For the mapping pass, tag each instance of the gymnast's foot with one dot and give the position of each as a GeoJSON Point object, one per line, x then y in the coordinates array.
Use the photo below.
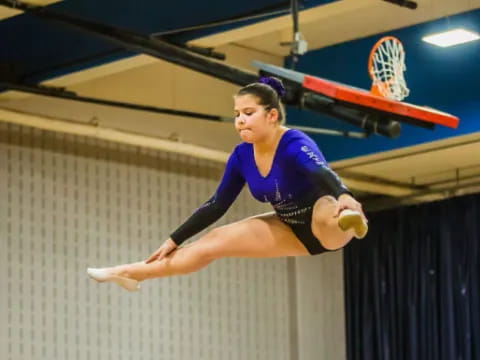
{"type": "Point", "coordinates": [108, 275]}
{"type": "Point", "coordinates": [351, 219]}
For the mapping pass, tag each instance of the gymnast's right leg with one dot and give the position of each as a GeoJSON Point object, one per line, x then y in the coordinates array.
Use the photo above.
{"type": "Point", "coordinates": [262, 236]}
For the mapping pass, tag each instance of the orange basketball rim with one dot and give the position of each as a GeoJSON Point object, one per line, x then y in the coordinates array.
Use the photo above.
{"type": "Point", "coordinates": [386, 67]}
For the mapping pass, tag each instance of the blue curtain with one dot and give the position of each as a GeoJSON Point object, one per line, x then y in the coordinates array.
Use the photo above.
{"type": "Point", "coordinates": [412, 286]}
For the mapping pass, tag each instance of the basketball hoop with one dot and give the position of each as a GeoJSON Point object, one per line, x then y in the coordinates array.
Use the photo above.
{"type": "Point", "coordinates": [386, 65]}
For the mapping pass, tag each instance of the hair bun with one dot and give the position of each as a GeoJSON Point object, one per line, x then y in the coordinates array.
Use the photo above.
{"type": "Point", "coordinates": [274, 83]}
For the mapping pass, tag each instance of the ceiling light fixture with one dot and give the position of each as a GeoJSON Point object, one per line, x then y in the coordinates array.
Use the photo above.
{"type": "Point", "coordinates": [451, 37]}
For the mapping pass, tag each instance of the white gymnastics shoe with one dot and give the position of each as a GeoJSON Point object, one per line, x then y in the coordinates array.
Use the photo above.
{"type": "Point", "coordinates": [349, 219]}
{"type": "Point", "coordinates": [102, 275]}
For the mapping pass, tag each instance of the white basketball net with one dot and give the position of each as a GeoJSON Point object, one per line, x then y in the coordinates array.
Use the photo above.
{"type": "Point", "coordinates": [387, 68]}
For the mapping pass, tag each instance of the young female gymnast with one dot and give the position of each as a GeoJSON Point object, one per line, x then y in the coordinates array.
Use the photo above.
{"type": "Point", "coordinates": [314, 211]}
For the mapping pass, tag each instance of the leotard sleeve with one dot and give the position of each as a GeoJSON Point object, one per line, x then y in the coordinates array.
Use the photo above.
{"type": "Point", "coordinates": [309, 160]}
{"type": "Point", "coordinates": [230, 186]}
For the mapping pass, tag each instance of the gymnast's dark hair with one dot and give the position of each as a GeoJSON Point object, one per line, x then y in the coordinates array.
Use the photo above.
{"type": "Point", "coordinates": [269, 91]}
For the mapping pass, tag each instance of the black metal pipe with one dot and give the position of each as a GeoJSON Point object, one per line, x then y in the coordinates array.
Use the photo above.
{"type": "Point", "coordinates": [370, 123]}
{"type": "Point", "coordinates": [269, 11]}
{"type": "Point", "coordinates": [294, 7]}
{"type": "Point", "coordinates": [331, 132]}
{"type": "Point", "coordinates": [69, 95]}
{"type": "Point", "coordinates": [209, 52]}
{"type": "Point", "coordinates": [142, 44]}
{"type": "Point", "coordinates": [390, 115]}
{"type": "Point", "coordinates": [404, 3]}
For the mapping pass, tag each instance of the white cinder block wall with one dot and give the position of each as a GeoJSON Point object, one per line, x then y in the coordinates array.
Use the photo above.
{"type": "Point", "coordinates": [320, 307]}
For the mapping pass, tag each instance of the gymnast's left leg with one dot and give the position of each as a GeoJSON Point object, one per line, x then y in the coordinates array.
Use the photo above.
{"type": "Point", "coordinates": [335, 230]}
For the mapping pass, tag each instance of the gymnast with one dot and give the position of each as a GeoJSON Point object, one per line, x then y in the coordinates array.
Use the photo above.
{"type": "Point", "coordinates": [313, 211]}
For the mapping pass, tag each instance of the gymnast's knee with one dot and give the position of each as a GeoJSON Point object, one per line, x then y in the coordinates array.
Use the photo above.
{"type": "Point", "coordinates": [325, 201]}
{"type": "Point", "coordinates": [324, 211]}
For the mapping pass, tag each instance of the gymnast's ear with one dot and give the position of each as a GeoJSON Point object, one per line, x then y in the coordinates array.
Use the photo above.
{"type": "Point", "coordinates": [272, 115]}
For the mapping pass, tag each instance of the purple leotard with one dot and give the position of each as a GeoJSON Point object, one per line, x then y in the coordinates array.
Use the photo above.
{"type": "Point", "coordinates": [299, 175]}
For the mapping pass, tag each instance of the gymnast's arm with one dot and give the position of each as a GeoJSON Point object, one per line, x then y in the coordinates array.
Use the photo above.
{"type": "Point", "coordinates": [230, 186]}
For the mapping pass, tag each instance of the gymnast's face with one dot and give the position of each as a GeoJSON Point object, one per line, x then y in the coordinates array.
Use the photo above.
{"type": "Point", "coordinates": [253, 122]}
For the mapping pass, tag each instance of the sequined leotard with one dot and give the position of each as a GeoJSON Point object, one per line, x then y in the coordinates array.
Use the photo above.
{"type": "Point", "coordinates": [299, 175]}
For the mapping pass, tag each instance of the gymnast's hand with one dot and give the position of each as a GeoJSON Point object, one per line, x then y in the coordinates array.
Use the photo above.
{"type": "Point", "coordinates": [167, 247]}
{"type": "Point", "coordinates": [346, 201]}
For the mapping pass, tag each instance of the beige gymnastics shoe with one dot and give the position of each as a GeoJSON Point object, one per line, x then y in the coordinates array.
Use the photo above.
{"type": "Point", "coordinates": [349, 219]}
{"type": "Point", "coordinates": [104, 275]}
